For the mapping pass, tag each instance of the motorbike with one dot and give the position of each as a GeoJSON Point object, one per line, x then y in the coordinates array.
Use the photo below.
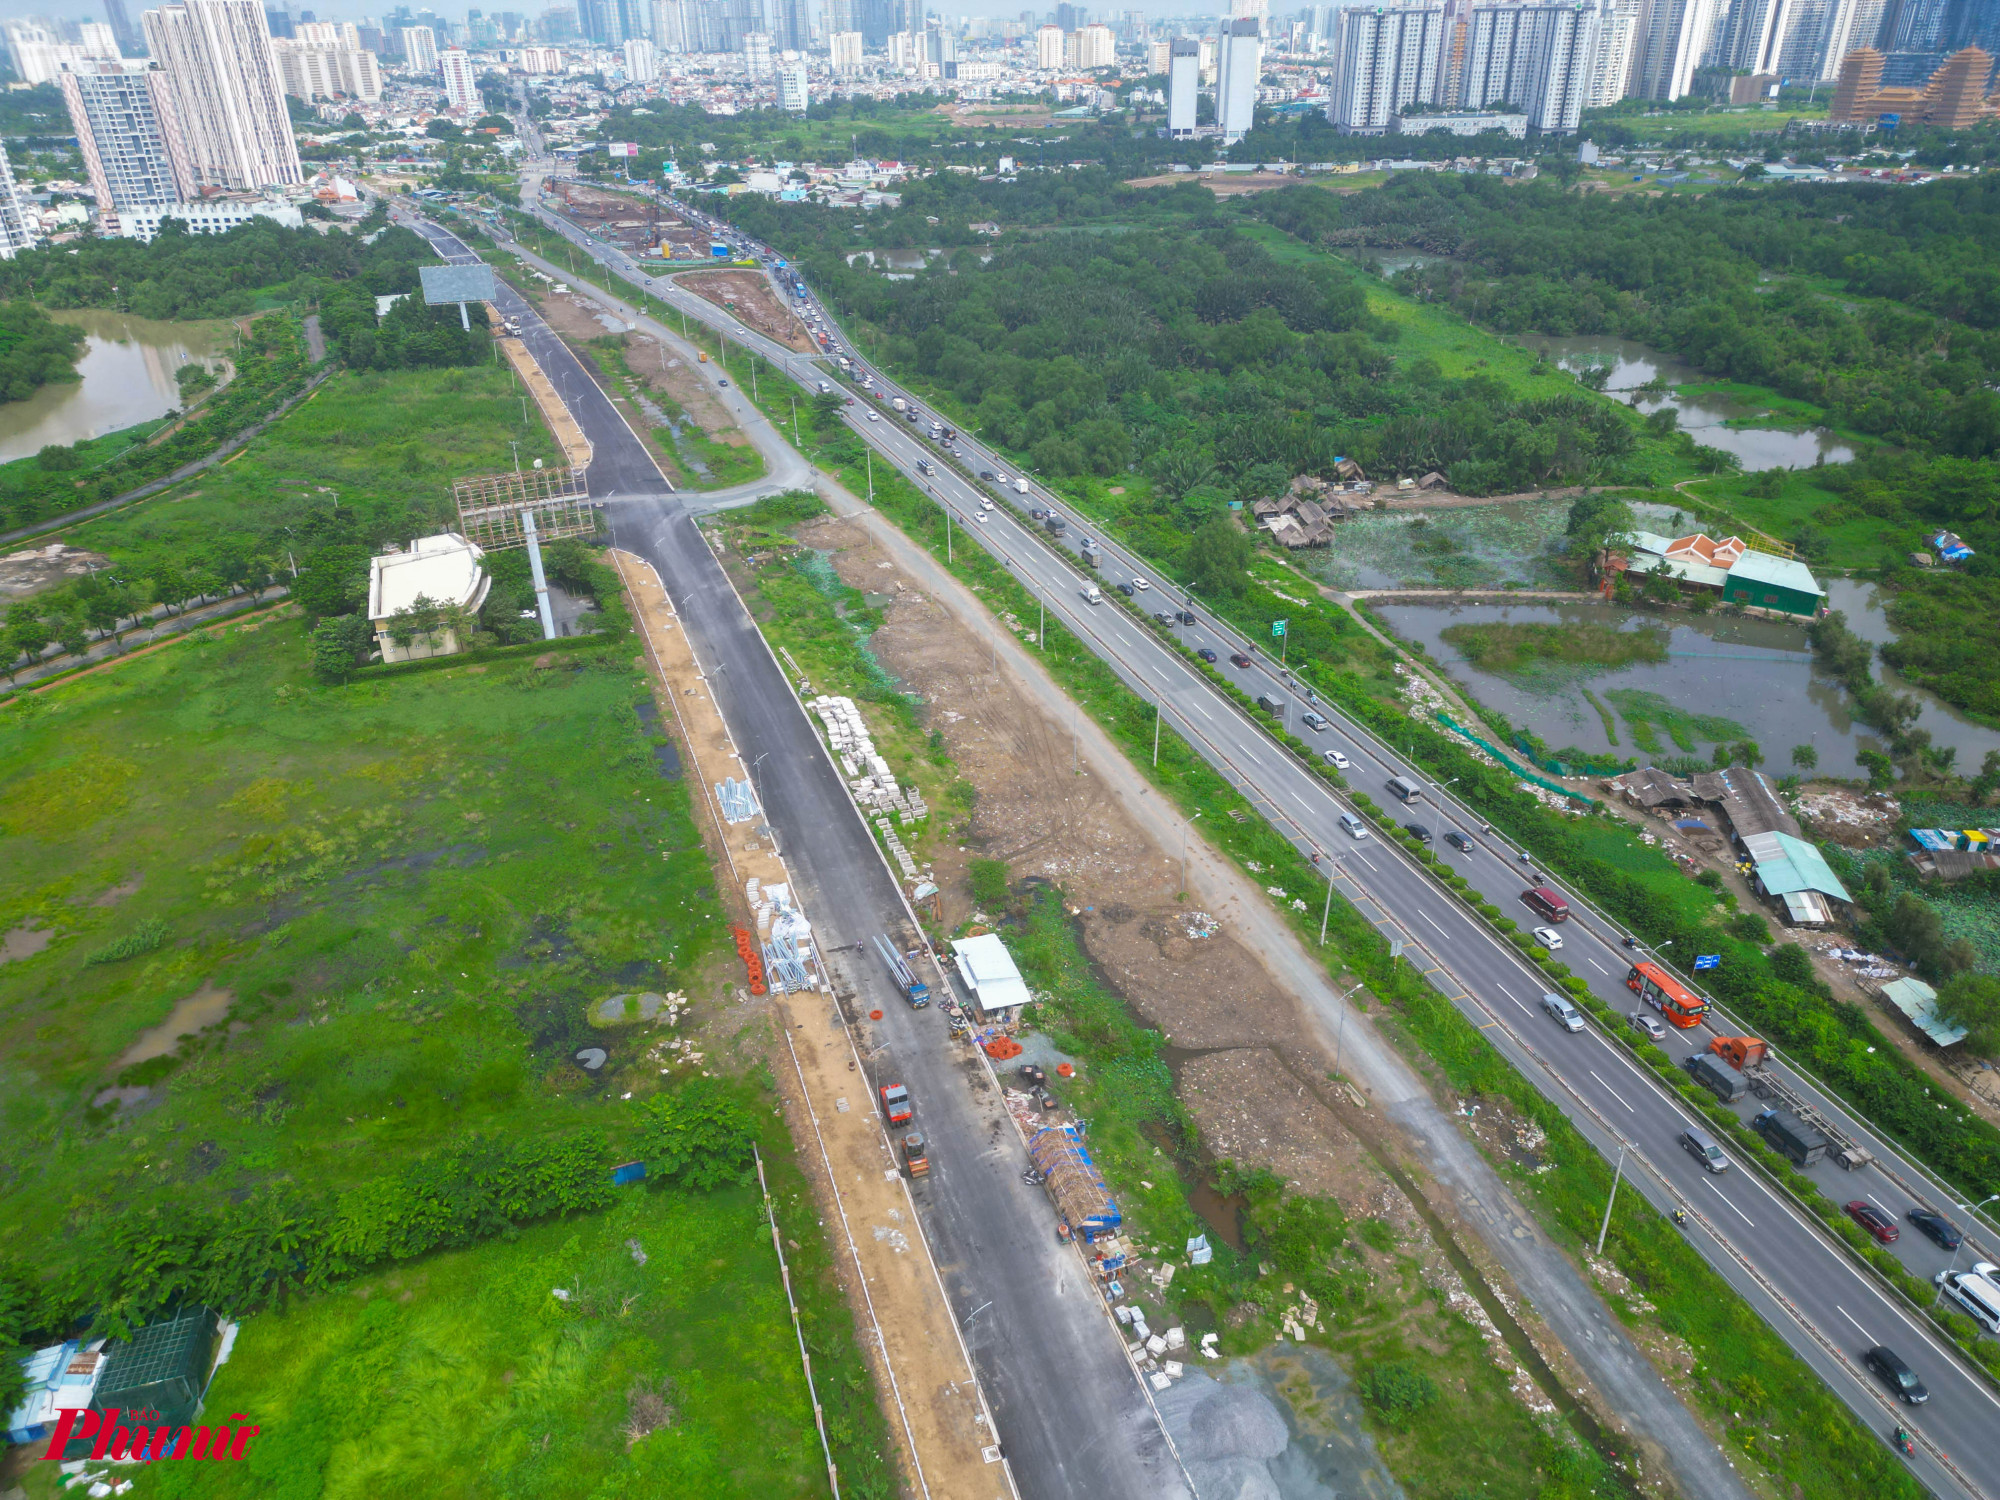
{"type": "Point", "coordinates": [1903, 1442]}
{"type": "Point", "coordinates": [1034, 1178]}
{"type": "Point", "coordinates": [1680, 1217]}
{"type": "Point", "coordinates": [1630, 941]}
{"type": "Point", "coordinates": [1524, 859]}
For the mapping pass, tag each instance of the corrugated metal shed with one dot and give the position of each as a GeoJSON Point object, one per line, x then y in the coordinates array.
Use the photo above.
{"type": "Point", "coordinates": [990, 972]}
{"type": "Point", "coordinates": [1786, 865]}
{"type": "Point", "coordinates": [163, 1367]}
{"type": "Point", "coordinates": [1918, 1001]}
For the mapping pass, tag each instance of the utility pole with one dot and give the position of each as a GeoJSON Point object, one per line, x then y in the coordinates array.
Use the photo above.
{"type": "Point", "coordinates": [1042, 632]}
{"type": "Point", "coordinates": [1616, 1172]}
{"type": "Point", "coordinates": [869, 454]}
{"type": "Point", "coordinates": [795, 421]}
{"type": "Point", "coordinates": [1158, 704]}
{"type": "Point", "coordinates": [947, 537]}
{"type": "Point", "coordinates": [1327, 910]}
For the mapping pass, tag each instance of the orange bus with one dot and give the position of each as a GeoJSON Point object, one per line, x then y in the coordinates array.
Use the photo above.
{"type": "Point", "coordinates": [1667, 995]}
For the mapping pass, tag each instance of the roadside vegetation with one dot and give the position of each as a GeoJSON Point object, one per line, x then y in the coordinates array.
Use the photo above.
{"type": "Point", "coordinates": [1773, 1409]}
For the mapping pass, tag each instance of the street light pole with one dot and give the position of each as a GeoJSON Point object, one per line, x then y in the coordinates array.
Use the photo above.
{"type": "Point", "coordinates": [1616, 1172]}
{"type": "Point", "coordinates": [1158, 705]}
{"type": "Point", "coordinates": [1327, 911]}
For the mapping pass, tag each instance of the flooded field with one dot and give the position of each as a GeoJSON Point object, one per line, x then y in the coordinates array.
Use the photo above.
{"type": "Point", "coordinates": [1474, 547]}
{"type": "Point", "coordinates": [1704, 418]}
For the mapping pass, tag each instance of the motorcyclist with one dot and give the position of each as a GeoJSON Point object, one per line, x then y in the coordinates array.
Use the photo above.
{"type": "Point", "coordinates": [1680, 1216]}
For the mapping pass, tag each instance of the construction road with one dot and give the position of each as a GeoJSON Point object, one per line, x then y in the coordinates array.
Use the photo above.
{"type": "Point", "coordinates": [1790, 1269]}
{"type": "Point", "coordinates": [1068, 1412]}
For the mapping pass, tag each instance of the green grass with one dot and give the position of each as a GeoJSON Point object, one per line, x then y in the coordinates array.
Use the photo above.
{"type": "Point", "coordinates": [461, 1375]}
{"type": "Point", "coordinates": [1776, 1411]}
{"type": "Point", "coordinates": [1648, 715]}
{"type": "Point", "coordinates": [381, 447]}
{"type": "Point", "coordinates": [1517, 648]}
{"type": "Point", "coordinates": [411, 887]}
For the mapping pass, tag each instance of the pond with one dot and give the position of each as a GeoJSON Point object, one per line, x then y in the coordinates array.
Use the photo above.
{"type": "Point", "coordinates": [1703, 417]}
{"type": "Point", "coordinates": [1467, 547]}
{"type": "Point", "coordinates": [127, 377]}
{"type": "Point", "coordinates": [1720, 676]}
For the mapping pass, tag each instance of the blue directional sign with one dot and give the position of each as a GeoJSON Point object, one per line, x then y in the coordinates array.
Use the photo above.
{"type": "Point", "coordinates": [1707, 961]}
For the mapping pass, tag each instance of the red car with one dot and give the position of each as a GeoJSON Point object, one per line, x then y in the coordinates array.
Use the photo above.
{"type": "Point", "coordinates": [1877, 1223]}
{"type": "Point", "coordinates": [895, 1103]}
{"type": "Point", "coordinates": [1239, 658]}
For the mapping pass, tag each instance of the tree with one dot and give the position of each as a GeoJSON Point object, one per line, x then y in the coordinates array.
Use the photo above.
{"type": "Point", "coordinates": [339, 645]}
{"type": "Point", "coordinates": [1218, 558]}
{"type": "Point", "coordinates": [1747, 753]}
{"type": "Point", "coordinates": [27, 635]}
{"type": "Point", "coordinates": [1914, 927]}
{"type": "Point", "coordinates": [826, 407]}
{"type": "Point", "coordinates": [1805, 757]}
{"type": "Point", "coordinates": [73, 634]}
{"type": "Point", "coordinates": [1988, 779]}
{"type": "Point", "coordinates": [170, 586]}
{"type": "Point", "coordinates": [104, 607]}
{"type": "Point", "coordinates": [1594, 522]}
{"type": "Point", "coordinates": [1881, 773]}
{"type": "Point", "coordinates": [1973, 1001]}
{"type": "Point", "coordinates": [698, 1136]}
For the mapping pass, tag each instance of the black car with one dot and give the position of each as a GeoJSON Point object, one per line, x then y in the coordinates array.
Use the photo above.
{"type": "Point", "coordinates": [1937, 1226]}
{"type": "Point", "coordinates": [1125, 589]}
{"type": "Point", "coordinates": [1418, 832]}
{"type": "Point", "coordinates": [1899, 1377]}
{"type": "Point", "coordinates": [1205, 654]}
{"type": "Point", "coordinates": [1459, 841]}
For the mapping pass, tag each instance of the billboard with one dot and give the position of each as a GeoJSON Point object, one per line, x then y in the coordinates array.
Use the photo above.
{"type": "Point", "coordinates": [448, 284]}
{"type": "Point", "coordinates": [622, 148]}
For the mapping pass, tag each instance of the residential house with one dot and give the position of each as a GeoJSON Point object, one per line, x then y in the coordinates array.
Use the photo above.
{"type": "Point", "coordinates": [1737, 571]}
{"type": "Point", "coordinates": [442, 572]}
{"type": "Point", "coordinates": [1305, 514]}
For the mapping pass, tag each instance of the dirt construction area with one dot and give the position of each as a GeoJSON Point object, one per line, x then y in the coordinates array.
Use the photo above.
{"type": "Point", "coordinates": [748, 296]}
{"type": "Point", "coordinates": [1251, 1066]}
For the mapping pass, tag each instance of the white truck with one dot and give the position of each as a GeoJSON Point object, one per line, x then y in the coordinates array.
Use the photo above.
{"type": "Point", "coordinates": [899, 404]}
{"type": "Point", "coordinates": [1021, 486]}
{"type": "Point", "coordinates": [1092, 594]}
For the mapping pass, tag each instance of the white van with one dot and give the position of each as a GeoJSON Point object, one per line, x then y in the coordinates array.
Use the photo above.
{"type": "Point", "coordinates": [1356, 829]}
{"type": "Point", "coordinates": [1973, 1291]}
{"type": "Point", "coordinates": [1092, 594]}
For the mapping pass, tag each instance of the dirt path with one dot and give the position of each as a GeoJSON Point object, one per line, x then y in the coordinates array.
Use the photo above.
{"type": "Point", "coordinates": [1255, 1056]}
{"type": "Point", "coordinates": [904, 1324]}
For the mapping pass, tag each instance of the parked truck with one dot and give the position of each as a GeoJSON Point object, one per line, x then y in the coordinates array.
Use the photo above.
{"type": "Point", "coordinates": [1725, 1083]}
{"type": "Point", "coordinates": [914, 989]}
{"type": "Point", "coordinates": [1789, 1136]}
{"type": "Point", "coordinates": [1752, 1058]}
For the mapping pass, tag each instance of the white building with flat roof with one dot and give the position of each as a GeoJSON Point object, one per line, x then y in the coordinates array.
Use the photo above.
{"type": "Point", "coordinates": [441, 571]}
{"type": "Point", "coordinates": [991, 974]}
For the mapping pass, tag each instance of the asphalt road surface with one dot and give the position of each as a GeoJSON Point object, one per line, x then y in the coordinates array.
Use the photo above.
{"type": "Point", "coordinates": [1789, 1268]}
{"type": "Point", "coordinates": [1066, 1404]}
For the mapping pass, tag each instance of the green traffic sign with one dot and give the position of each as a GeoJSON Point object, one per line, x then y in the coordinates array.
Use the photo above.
{"type": "Point", "coordinates": [1277, 628]}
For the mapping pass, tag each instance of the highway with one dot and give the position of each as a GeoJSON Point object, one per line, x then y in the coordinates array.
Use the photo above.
{"type": "Point", "coordinates": [1789, 1268]}
{"type": "Point", "coordinates": [1066, 1406]}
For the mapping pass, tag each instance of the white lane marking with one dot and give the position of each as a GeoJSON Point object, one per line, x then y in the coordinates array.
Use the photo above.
{"type": "Point", "coordinates": [1725, 1198]}
{"type": "Point", "coordinates": [1610, 1090]}
{"type": "Point", "coordinates": [1596, 965]}
{"type": "Point", "coordinates": [1881, 1205]}
{"type": "Point", "coordinates": [1364, 859]}
{"type": "Point", "coordinates": [1857, 1327]}
{"type": "Point", "coordinates": [1433, 921]}
{"type": "Point", "coordinates": [1515, 998]}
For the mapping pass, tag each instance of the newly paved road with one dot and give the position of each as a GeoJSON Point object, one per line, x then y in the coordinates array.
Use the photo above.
{"type": "Point", "coordinates": [1065, 1402]}
{"type": "Point", "coordinates": [1788, 1267]}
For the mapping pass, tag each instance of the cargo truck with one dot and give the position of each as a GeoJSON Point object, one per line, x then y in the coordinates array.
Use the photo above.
{"type": "Point", "coordinates": [1790, 1137]}
{"type": "Point", "coordinates": [1725, 1083]}
{"type": "Point", "coordinates": [914, 989]}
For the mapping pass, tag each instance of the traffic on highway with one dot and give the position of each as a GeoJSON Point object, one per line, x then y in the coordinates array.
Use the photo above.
{"type": "Point", "coordinates": [1834, 1312]}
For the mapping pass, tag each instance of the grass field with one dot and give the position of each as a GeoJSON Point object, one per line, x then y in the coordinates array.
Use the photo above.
{"type": "Point", "coordinates": [463, 1375]}
{"type": "Point", "coordinates": [379, 910]}
{"type": "Point", "coordinates": [382, 446]}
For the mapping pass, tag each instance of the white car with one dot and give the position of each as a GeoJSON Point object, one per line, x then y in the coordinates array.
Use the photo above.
{"type": "Point", "coordinates": [874, 416]}
{"type": "Point", "coordinates": [979, 516]}
{"type": "Point", "coordinates": [1338, 761]}
{"type": "Point", "coordinates": [1549, 938]}
{"type": "Point", "coordinates": [1141, 585]}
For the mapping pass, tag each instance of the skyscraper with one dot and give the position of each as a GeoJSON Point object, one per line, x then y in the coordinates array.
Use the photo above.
{"type": "Point", "coordinates": [602, 21]}
{"type": "Point", "coordinates": [844, 51]}
{"type": "Point", "coordinates": [1385, 59]}
{"type": "Point", "coordinates": [131, 144]}
{"type": "Point", "coordinates": [420, 53]}
{"type": "Point", "coordinates": [1183, 86]}
{"type": "Point", "coordinates": [1677, 35]}
{"type": "Point", "coordinates": [1049, 48]}
{"type": "Point", "coordinates": [1850, 24]}
{"type": "Point", "coordinates": [641, 66]}
{"type": "Point", "coordinates": [226, 92]}
{"type": "Point", "coordinates": [792, 88]}
{"type": "Point", "coordinates": [121, 25]}
{"type": "Point", "coordinates": [670, 25]}
{"type": "Point", "coordinates": [461, 83]}
{"type": "Point", "coordinates": [1536, 57]}
{"type": "Point", "coordinates": [1238, 64]}
{"type": "Point", "coordinates": [15, 235]}
{"type": "Point", "coordinates": [1750, 35]}
{"type": "Point", "coordinates": [790, 25]}
{"type": "Point", "coordinates": [757, 54]}
{"type": "Point", "coordinates": [1617, 39]}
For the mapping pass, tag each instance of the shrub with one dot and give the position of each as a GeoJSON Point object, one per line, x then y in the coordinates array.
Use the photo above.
{"type": "Point", "coordinates": [989, 882]}
{"type": "Point", "coordinates": [140, 940]}
{"type": "Point", "coordinates": [1398, 1392]}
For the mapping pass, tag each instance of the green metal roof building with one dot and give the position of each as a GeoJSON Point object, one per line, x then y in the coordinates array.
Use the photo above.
{"type": "Point", "coordinates": [1761, 580]}
{"type": "Point", "coordinates": [164, 1367]}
